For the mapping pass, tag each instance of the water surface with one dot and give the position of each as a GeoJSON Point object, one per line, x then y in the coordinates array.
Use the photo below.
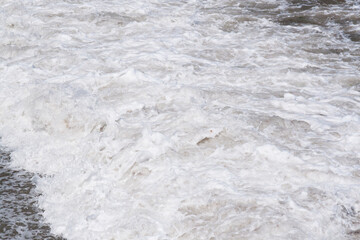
{"type": "Point", "coordinates": [20, 217]}
{"type": "Point", "coordinates": [205, 119]}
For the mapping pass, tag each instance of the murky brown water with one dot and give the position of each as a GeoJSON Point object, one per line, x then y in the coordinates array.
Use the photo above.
{"type": "Point", "coordinates": [20, 218]}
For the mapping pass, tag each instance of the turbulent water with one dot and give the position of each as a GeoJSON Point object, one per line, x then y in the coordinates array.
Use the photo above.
{"type": "Point", "coordinates": [164, 119]}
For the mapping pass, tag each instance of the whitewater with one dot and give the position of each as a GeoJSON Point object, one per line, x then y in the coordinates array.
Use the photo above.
{"type": "Point", "coordinates": [189, 119]}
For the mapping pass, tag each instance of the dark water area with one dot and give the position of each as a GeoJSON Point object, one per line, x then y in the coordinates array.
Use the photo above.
{"type": "Point", "coordinates": [20, 218]}
{"type": "Point", "coordinates": [337, 15]}
{"type": "Point", "coordinates": [323, 13]}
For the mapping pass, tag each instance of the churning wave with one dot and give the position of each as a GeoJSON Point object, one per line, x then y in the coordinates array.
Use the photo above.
{"type": "Point", "coordinates": [196, 119]}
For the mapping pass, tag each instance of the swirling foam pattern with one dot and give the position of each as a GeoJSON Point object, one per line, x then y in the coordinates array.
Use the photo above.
{"type": "Point", "coordinates": [190, 119]}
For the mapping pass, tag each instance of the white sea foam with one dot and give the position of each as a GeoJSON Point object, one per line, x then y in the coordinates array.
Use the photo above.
{"type": "Point", "coordinates": [185, 119]}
